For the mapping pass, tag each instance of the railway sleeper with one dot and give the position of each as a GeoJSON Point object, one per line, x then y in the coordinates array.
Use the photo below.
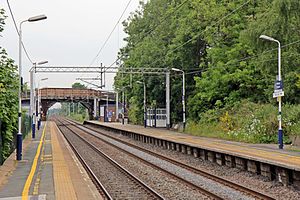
{"type": "Point", "coordinates": [269, 171]}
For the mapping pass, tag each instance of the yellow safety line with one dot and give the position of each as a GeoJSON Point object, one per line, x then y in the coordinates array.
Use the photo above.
{"type": "Point", "coordinates": [33, 168]}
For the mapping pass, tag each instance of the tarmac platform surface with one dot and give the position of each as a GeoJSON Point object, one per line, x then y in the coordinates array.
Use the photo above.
{"type": "Point", "coordinates": [49, 170]}
{"type": "Point", "coordinates": [289, 157]}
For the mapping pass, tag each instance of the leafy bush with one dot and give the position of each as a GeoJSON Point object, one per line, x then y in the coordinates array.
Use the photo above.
{"type": "Point", "coordinates": [78, 117]}
{"type": "Point", "coordinates": [248, 122]}
{"type": "Point", "coordinates": [8, 102]}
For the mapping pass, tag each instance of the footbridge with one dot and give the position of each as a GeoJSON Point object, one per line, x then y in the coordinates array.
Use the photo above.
{"type": "Point", "coordinates": [89, 98]}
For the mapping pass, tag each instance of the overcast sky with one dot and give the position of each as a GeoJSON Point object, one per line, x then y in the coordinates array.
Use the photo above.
{"type": "Point", "coordinates": [72, 34]}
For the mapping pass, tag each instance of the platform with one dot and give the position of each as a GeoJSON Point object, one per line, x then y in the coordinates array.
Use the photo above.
{"type": "Point", "coordinates": [264, 159]}
{"type": "Point", "coordinates": [49, 170]}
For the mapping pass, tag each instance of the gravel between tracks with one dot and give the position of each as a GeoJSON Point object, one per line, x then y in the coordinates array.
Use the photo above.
{"type": "Point", "coordinates": [168, 187]}
{"type": "Point", "coordinates": [250, 180]}
{"type": "Point", "coordinates": [112, 179]}
{"type": "Point", "coordinates": [217, 188]}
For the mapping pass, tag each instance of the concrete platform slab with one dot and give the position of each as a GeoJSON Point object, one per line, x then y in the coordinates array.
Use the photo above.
{"type": "Point", "coordinates": [50, 170]}
{"type": "Point", "coordinates": [267, 153]}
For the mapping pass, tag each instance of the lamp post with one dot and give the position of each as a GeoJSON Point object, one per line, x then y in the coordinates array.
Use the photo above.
{"type": "Point", "coordinates": [106, 94]}
{"type": "Point", "coordinates": [32, 98]}
{"type": "Point", "coordinates": [39, 103]}
{"type": "Point", "coordinates": [19, 134]}
{"type": "Point", "coordinates": [145, 109]}
{"type": "Point", "coordinates": [183, 95]}
{"type": "Point", "coordinates": [117, 106]}
{"type": "Point", "coordinates": [278, 92]}
{"type": "Point", "coordinates": [123, 96]}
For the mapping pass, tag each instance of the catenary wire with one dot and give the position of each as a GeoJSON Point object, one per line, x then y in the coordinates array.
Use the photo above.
{"type": "Point", "coordinates": [154, 28]}
{"type": "Point", "coordinates": [107, 39]}
{"type": "Point", "coordinates": [15, 24]}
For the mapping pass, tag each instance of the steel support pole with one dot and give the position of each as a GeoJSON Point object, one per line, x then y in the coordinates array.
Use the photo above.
{"type": "Point", "coordinates": [31, 94]}
{"type": "Point", "coordinates": [145, 101]}
{"type": "Point", "coordinates": [39, 108]}
{"type": "Point", "coordinates": [32, 104]}
{"type": "Point", "coordinates": [117, 106]}
{"type": "Point", "coordinates": [95, 107]}
{"type": "Point", "coordinates": [183, 100]}
{"type": "Point", "coordinates": [123, 116]}
{"type": "Point", "coordinates": [280, 132]}
{"type": "Point", "coordinates": [168, 98]}
{"type": "Point", "coordinates": [107, 108]}
{"type": "Point", "coordinates": [19, 134]}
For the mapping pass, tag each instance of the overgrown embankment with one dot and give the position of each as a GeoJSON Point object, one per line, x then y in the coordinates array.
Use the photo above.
{"type": "Point", "coordinates": [247, 122]}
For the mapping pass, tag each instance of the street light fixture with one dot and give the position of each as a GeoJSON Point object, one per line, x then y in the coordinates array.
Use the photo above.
{"type": "Point", "coordinates": [145, 109]}
{"type": "Point", "coordinates": [183, 95]}
{"type": "Point", "coordinates": [42, 62]}
{"type": "Point", "coordinates": [37, 18]}
{"type": "Point", "coordinates": [278, 92]}
{"type": "Point", "coordinates": [19, 134]}
{"type": "Point", "coordinates": [32, 98]}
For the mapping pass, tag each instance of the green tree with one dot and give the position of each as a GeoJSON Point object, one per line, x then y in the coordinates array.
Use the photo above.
{"type": "Point", "coordinates": [78, 86]}
{"type": "Point", "coordinates": [76, 110]}
{"type": "Point", "coordinates": [8, 99]}
{"type": "Point", "coordinates": [218, 38]}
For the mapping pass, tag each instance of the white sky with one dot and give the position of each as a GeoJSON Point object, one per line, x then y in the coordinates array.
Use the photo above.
{"type": "Point", "coordinates": [72, 34]}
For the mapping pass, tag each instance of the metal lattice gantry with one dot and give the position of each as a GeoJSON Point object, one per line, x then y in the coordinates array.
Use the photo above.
{"type": "Point", "coordinates": [100, 70]}
{"type": "Point", "coordinates": [66, 69]}
{"type": "Point", "coordinates": [97, 69]}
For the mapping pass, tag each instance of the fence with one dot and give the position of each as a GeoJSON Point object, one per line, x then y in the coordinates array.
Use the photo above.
{"type": "Point", "coordinates": [26, 128]}
{"type": "Point", "coordinates": [26, 124]}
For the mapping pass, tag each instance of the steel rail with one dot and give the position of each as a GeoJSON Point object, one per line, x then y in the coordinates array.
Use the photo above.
{"type": "Point", "coordinates": [200, 189]}
{"type": "Point", "coordinates": [246, 190]}
{"type": "Point", "coordinates": [147, 188]}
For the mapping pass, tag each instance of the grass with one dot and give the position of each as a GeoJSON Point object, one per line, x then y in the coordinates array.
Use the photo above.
{"type": "Point", "coordinates": [247, 122]}
{"type": "Point", "coordinates": [78, 117]}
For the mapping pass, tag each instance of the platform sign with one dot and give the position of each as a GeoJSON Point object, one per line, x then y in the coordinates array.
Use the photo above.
{"type": "Point", "coordinates": [278, 85]}
{"type": "Point", "coordinates": [278, 93]}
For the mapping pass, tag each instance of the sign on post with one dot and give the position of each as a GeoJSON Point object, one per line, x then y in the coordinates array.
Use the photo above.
{"type": "Point", "coordinates": [278, 85]}
{"type": "Point", "coordinates": [278, 89]}
{"type": "Point", "coordinates": [278, 93]}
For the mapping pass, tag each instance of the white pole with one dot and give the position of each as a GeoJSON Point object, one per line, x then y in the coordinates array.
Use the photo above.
{"type": "Point", "coordinates": [32, 104]}
{"type": "Point", "coordinates": [183, 99]}
{"type": "Point", "coordinates": [95, 107]}
{"type": "Point", "coordinates": [168, 98]}
{"type": "Point", "coordinates": [280, 132]}
{"type": "Point", "coordinates": [123, 114]}
{"type": "Point", "coordinates": [117, 106]}
{"type": "Point", "coordinates": [31, 94]}
{"type": "Point", "coordinates": [107, 107]}
{"type": "Point", "coordinates": [145, 102]}
{"type": "Point", "coordinates": [39, 104]}
{"type": "Point", "coordinates": [19, 134]}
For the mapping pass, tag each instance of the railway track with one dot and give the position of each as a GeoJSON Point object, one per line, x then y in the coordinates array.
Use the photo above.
{"type": "Point", "coordinates": [237, 187]}
{"type": "Point", "coordinates": [113, 181]}
{"type": "Point", "coordinates": [205, 193]}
